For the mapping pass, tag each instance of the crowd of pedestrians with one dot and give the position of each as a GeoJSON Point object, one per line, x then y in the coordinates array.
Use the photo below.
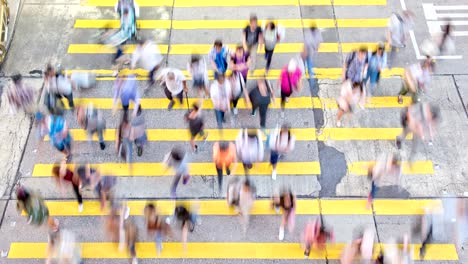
{"type": "Point", "coordinates": [361, 74]}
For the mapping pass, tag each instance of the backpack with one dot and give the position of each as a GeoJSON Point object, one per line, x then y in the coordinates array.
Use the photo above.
{"type": "Point", "coordinates": [349, 60]}
{"type": "Point", "coordinates": [37, 210]}
{"type": "Point", "coordinates": [56, 127]}
{"type": "Point", "coordinates": [220, 60]}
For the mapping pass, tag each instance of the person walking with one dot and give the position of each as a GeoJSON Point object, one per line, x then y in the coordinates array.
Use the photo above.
{"type": "Point", "coordinates": [398, 29]}
{"type": "Point", "coordinates": [224, 155]}
{"type": "Point", "coordinates": [281, 142]}
{"type": "Point", "coordinates": [252, 36]}
{"type": "Point", "coordinates": [148, 55]}
{"type": "Point", "coordinates": [138, 131]}
{"type": "Point", "coordinates": [196, 123]}
{"type": "Point", "coordinates": [288, 82]}
{"type": "Point", "coordinates": [188, 219]}
{"type": "Point", "coordinates": [174, 83]}
{"type": "Point", "coordinates": [249, 146]}
{"type": "Point", "coordinates": [156, 225]}
{"type": "Point", "coordinates": [59, 134]}
{"type": "Point", "coordinates": [56, 86]}
{"type": "Point", "coordinates": [238, 88]}
{"type": "Point", "coordinates": [240, 62]}
{"type": "Point", "coordinates": [388, 169]}
{"type": "Point", "coordinates": [126, 90]}
{"type": "Point", "coordinates": [312, 40]}
{"type": "Point", "coordinates": [272, 35]}
{"type": "Point", "coordinates": [221, 94]}
{"type": "Point", "coordinates": [355, 66]}
{"type": "Point", "coordinates": [246, 201]}
{"type": "Point", "coordinates": [260, 97]}
{"type": "Point", "coordinates": [419, 119]}
{"type": "Point", "coordinates": [219, 56]}
{"type": "Point", "coordinates": [377, 62]}
{"type": "Point", "coordinates": [285, 200]}
{"type": "Point", "coordinates": [91, 119]}
{"type": "Point", "coordinates": [20, 95]}
{"type": "Point", "coordinates": [416, 79]}
{"type": "Point", "coordinates": [123, 141]}
{"type": "Point", "coordinates": [197, 69]}
{"type": "Point", "coordinates": [177, 160]}
{"type": "Point", "coordinates": [315, 236]}
{"type": "Point", "coordinates": [63, 174]}
{"type": "Point", "coordinates": [33, 205]}
{"type": "Point", "coordinates": [352, 95]}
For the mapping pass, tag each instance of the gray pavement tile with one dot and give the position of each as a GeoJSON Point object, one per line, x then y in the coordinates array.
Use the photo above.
{"type": "Point", "coordinates": [241, 12]}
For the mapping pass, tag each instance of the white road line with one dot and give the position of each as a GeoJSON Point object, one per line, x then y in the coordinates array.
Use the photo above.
{"type": "Point", "coordinates": [452, 7]}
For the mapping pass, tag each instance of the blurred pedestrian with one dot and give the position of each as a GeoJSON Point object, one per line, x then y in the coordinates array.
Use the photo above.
{"type": "Point", "coordinates": [88, 174]}
{"type": "Point", "coordinates": [288, 82]}
{"type": "Point", "coordinates": [224, 155]}
{"type": "Point", "coordinates": [362, 247]}
{"type": "Point", "coordinates": [445, 40]}
{"type": "Point", "coordinates": [91, 119]}
{"type": "Point", "coordinates": [377, 62]}
{"type": "Point", "coordinates": [123, 141]}
{"type": "Point", "coordinates": [56, 86]}
{"type": "Point", "coordinates": [285, 200]}
{"type": "Point", "coordinates": [316, 236]}
{"type": "Point", "coordinates": [238, 89]}
{"type": "Point", "coordinates": [352, 96]}
{"type": "Point", "coordinates": [420, 120]}
{"type": "Point", "coordinates": [188, 219]}
{"type": "Point", "coordinates": [425, 228]}
{"type": "Point", "coordinates": [126, 90]}
{"type": "Point", "coordinates": [249, 147]}
{"type": "Point", "coordinates": [148, 55]}
{"type": "Point", "coordinates": [32, 204]}
{"type": "Point", "coordinates": [221, 94]}
{"type": "Point", "coordinates": [174, 83]}
{"type": "Point", "coordinates": [281, 142]}
{"type": "Point", "coordinates": [64, 249]}
{"type": "Point", "coordinates": [105, 191]}
{"type": "Point", "coordinates": [416, 79]}
{"type": "Point", "coordinates": [156, 225]}
{"type": "Point", "coordinates": [138, 132]}
{"type": "Point", "coordinates": [240, 62]}
{"type": "Point", "coordinates": [196, 123]}
{"type": "Point", "coordinates": [20, 95]}
{"type": "Point", "coordinates": [219, 56]}
{"type": "Point", "coordinates": [246, 201]}
{"type": "Point", "coordinates": [197, 69]}
{"type": "Point", "coordinates": [387, 168]}
{"type": "Point", "coordinates": [233, 189]}
{"type": "Point", "coordinates": [177, 160]}
{"type": "Point", "coordinates": [355, 66]}
{"type": "Point", "coordinates": [260, 97]}
{"type": "Point", "coordinates": [59, 134]}
{"type": "Point", "coordinates": [398, 28]}
{"type": "Point", "coordinates": [63, 174]}
{"type": "Point", "coordinates": [312, 40]}
{"type": "Point", "coordinates": [252, 36]}
{"type": "Point", "coordinates": [131, 235]}
{"type": "Point", "coordinates": [272, 35]}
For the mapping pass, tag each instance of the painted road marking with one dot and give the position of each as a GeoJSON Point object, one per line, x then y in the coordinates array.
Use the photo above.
{"type": "Point", "coordinates": [188, 49]}
{"type": "Point", "coordinates": [294, 103]}
{"type": "Point", "coordinates": [231, 134]}
{"type": "Point", "coordinates": [207, 169]}
{"type": "Point", "coordinates": [215, 250]}
{"type": "Point", "coordinates": [234, 3]}
{"type": "Point", "coordinates": [260, 207]}
{"type": "Point", "coordinates": [234, 24]}
{"type": "Point", "coordinates": [320, 73]}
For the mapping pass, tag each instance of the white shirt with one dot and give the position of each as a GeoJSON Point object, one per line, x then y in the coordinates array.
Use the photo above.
{"type": "Point", "coordinates": [148, 55]}
{"type": "Point", "coordinates": [221, 96]}
{"type": "Point", "coordinates": [178, 85]}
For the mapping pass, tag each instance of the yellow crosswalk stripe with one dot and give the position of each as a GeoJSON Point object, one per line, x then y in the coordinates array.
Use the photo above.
{"type": "Point", "coordinates": [231, 134]}
{"type": "Point", "coordinates": [237, 3]}
{"type": "Point", "coordinates": [260, 207]}
{"type": "Point", "coordinates": [233, 24]}
{"type": "Point", "coordinates": [187, 49]}
{"type": "Point", "coordinates": [196, 169]}
{"type": "Point", "coordinates": [215, 250]}
{"type": "Point", "coordinates": [207, 169]}
{"type": "Point", "coordinates": [294, 103]}
{"type": "Point", "coordinates": [320, 73]}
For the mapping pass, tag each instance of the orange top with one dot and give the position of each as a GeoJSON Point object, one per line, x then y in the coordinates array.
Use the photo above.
{"type": "Point", "coordinates": [224, 158]}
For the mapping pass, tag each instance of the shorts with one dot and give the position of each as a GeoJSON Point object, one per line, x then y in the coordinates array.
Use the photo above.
{"type": "Point", "coordinates": [199, 83]}
{"type": "Point", "coordinates": [194, 132]}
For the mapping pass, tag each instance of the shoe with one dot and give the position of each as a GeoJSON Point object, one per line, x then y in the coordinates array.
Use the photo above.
{"type": "Point", "coordinates": [253, 113]}
{"type": "Point", "coordinates": [400, 99]}
{"type": "Point", "coordinates": [228, 172]}
{"type": "Point", "coordinates": [273, 174]}
{"type": "Point", "coordinates": [287, 99]}
{"type": "Point", "coordinates": [115, 73]}
{"type": "Point", "coordinates": [234, 111]}
{"type": "Point", "coordinates": [139, 151]}
{"type": "Point", "coordinates": [281, 234]}
{"type": "Point", "coordinates": [398, 143]}
{"type": "Point", "coordinates": [277, 209]}
{"type": "Point", "coordinates": [170, 106]}
{"type": "Point", "coordinates": [422, 252]}
{"type": "Point", "coordinates": [338, 123]}
{"type": "Point", "coordinates": [195, 150]}
{"type": "Point", "coordinates": [80, 208]}
{"type": "Point", "coordinates": [102, 145]}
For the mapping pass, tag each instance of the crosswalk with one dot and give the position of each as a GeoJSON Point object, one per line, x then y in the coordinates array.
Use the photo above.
{"type": "Point", "coordinates": [230, 246]}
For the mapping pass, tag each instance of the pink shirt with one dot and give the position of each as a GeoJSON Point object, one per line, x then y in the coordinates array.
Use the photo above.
{"type": "Point", "coordinates": [294, 78]}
